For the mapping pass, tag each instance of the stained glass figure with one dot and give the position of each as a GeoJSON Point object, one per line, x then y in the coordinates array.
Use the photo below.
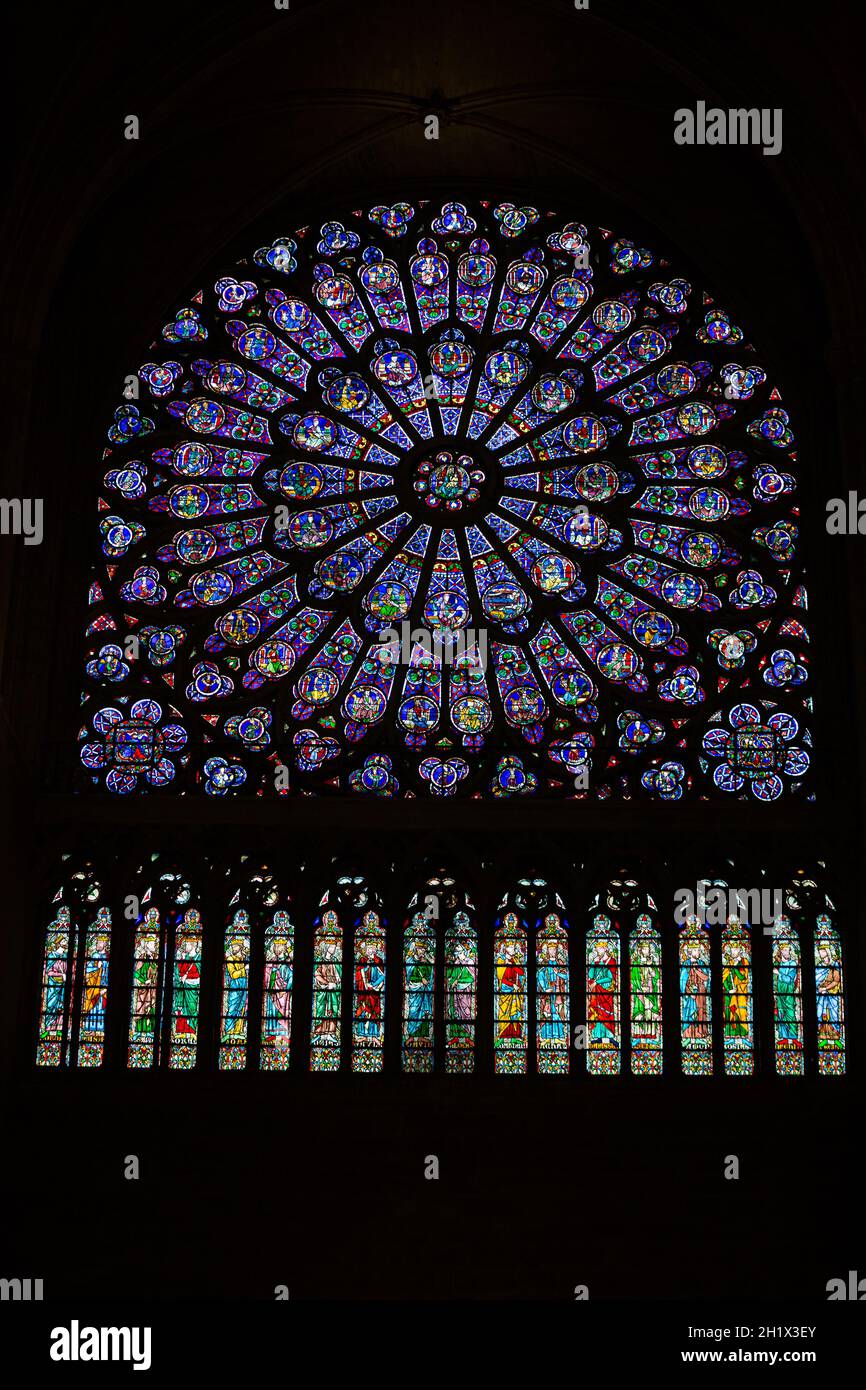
{"type": "Point", "coordinates": [326, 1039]}
{"type": "Point", "coordinates": [58, 969]}
{"type": "Point", "coordinates": [787, 998]}
{"type": "Point", "coordinates": [830, 998]}
{"type": "Point", "coordinates": [737, 1007]}
{"type": "Point", "coordinates": [696, 1005]}
{"type": "Point", "coordinates": [186, 986]}
{"type": "Point", "coordinates": [509, 997]}
{"type": "Point", "coordinates": [94, 990]}
{"type": "Point", "coordinates": [368, 995]}
{"type": "Point", "coordinates": [277, 1000]}
{"type": "Point", "coordinates": [461, 993]}
{"type": "Point", "coordinates": [604, 1039]}
{"type": "Point", "coordinates": [553, 1039]}
{"type": "Point", "coordinates": [419, 978]}
{"type": "Point", "coordinates": [145, 1013]}
{"type": "Point", "coordinates": [645, 962]}
{"type": "Point", "coordinates": [236, 993]}
{"type": "Point", "coordinates": [166, 976]}
{"type": "Point", "coordinates": [74, 976]}
{"type": "Point", "coordinates": [498, 422]}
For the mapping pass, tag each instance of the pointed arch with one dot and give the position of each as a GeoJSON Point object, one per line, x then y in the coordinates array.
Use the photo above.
{"type": "Point", "coordinates": [645, 964]}
{"type": "Point", "coordinates": [829, 996]}
{"type": "Point", "coordinates": [603, 998]}
{"type": "Point", "coordinates": [234, 1010]}
{"type": "Point", "coordinates": [461, 994]}
{"type": "Point", "coordinates": [419, 981]}
{"type": "Point", "coordinates": [94, 990]}
{"type": "Point", "coordinates": [74, 976]}
{"type": "Point", "coordinates": [696, 1005]}
{"type": "Point", "coordinates": [552, 997]}
{"type": "Point", "coordinates": [368, 995]}
{"type": "Point", "coordinates": [510, 996]}
{"type": "Point", "coordinates": [531, 980]}
{"type": "Point", "coordinates": [349, 931]}
{"type": "Point", "coordinates": [166, 974]}
{"type": "Point", "coordinates": [440, 970]}
{"type": "Point", "coordinates": [258, 929]}
{"type": "Point", "coordinates": [327, 1023]}
{"type": "Point", "coordinates": [787, 998]}
{"type": "Point", "coordinates": [58, 973]}
{"type": "Point", "coordinates": [738, 1024]}
{"type": "Point", "coordinates": [277, 993]}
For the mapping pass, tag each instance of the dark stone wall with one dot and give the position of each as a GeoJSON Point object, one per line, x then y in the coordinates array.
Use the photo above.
{"type": "Point", "coordinates": [253, 118]}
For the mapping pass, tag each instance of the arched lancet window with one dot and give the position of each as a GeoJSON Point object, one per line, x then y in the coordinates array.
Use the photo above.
{"type": "Point", "coordinates": [809, 939]}
{"type": "Point", "coordinates": [787, 998]}
{"type": "Point", "coordinates": [553, 1040]}
{"type": "Point", "coordinates": [461, 994]}
{"type": "Point", "coordinates": [645, 961]}
{"type": "Point", "coordinates": [830, 997]}
{"type": "Point", "coordinates": [349, 931]}
{"type": "Point", "coordinates": [696, 1005]}
{"type": "Point", "coordinates": [58, 973]}
{"type": "Point", "coordinates": [147, 978]}
{"type": "Point", "coordinates": [552, 461]}
{"type": "Point", "coordinates": [234, 1014]}
{"type": "Point", "coordinates": [255, 926]}
{"type": "Point", "coordinates": [186, 990]}
{"type": "Point", "coordinates": [624, 979]}
{"type": "Point", "coordinates": [368, 995]}
{"type": "Point", "coordinates": [419, 989]}
{"type": "Point", "coordinates": [326, 1036]}
{"type": "Point", "coordinates": [74, 990]}
{"type": "Point", "coordinates": [531, 984]}
{"type": "Point", "coordinates": [603, 989]}
{"type": "Point", "coordinates": [737, 1004]}
{"type": "Point", "coordinates": [166, 977]}
{"type": "Point", "coordinates": [94, 990]}
{"type": "Point", "coordinates": [440, 967]}
{"type": "Point", "coordinates": [277, 999]}
{"type": "Point", "coordinates": [510, 997]}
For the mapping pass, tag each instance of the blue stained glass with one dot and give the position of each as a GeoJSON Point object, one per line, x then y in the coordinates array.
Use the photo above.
{"type": "Point", "coordinates": [602, 506]}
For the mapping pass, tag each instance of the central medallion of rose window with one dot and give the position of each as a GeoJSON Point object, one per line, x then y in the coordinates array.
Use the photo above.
{"type": "Point", "coordinates": [449, 480]}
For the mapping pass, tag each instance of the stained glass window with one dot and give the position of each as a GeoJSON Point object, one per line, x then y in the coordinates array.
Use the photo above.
{"type": "Point", "coordinates": [58, 969]}
{"type": "Point", "coordinates": [419, 981]}
{"type": "Point", "coordinates": [145, 1013]}
{"type": "Point", "coordinates": [603, 998]}
{"type": "Point", "coordinates": [696, 1005]}
{"type": "Point", "coordinates": [236, 993]}
{"type": "Point", "coordinates": [645, 961]}
{"type": "Point", "coordinates": [368, 1006]}
{"type": "Point", "coordinates": [553, 1040]}
{"type": "Point", "coordinates": [787, 999]}
{"type": "Point", "coordinates": [510, 996]}
{"type": "Point", "coordinates": [166, 977]}
{"type": "Point", "coordinates": [350, 930]}
{"type": "Point", "coordinates": [325, 1042]}
{"type": "Point", "coordinates": [461, 994]}
{"type": "Point", "coordinates": [830, 998]}
{"type": "Point", "coordinates": [440, 966]}
{"type": "Point", "coordinates": [531, 985]}
{"type": "Point", "coordinates": [450, 499]}
{"type": "Point", "coordinates": [737, 1006]}
{"type": "Point", "coordinates": [74, 976]}
{"type": "Point", "coordinates": [186, 986]}
{"type": "Point", "coordinates": [94, 990]}
{"type": "Point", "coordinates": [277, 1001]}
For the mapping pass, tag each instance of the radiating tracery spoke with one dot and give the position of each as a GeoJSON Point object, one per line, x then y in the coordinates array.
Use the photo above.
{"type": "Point", "coordinates": [450, 499]}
